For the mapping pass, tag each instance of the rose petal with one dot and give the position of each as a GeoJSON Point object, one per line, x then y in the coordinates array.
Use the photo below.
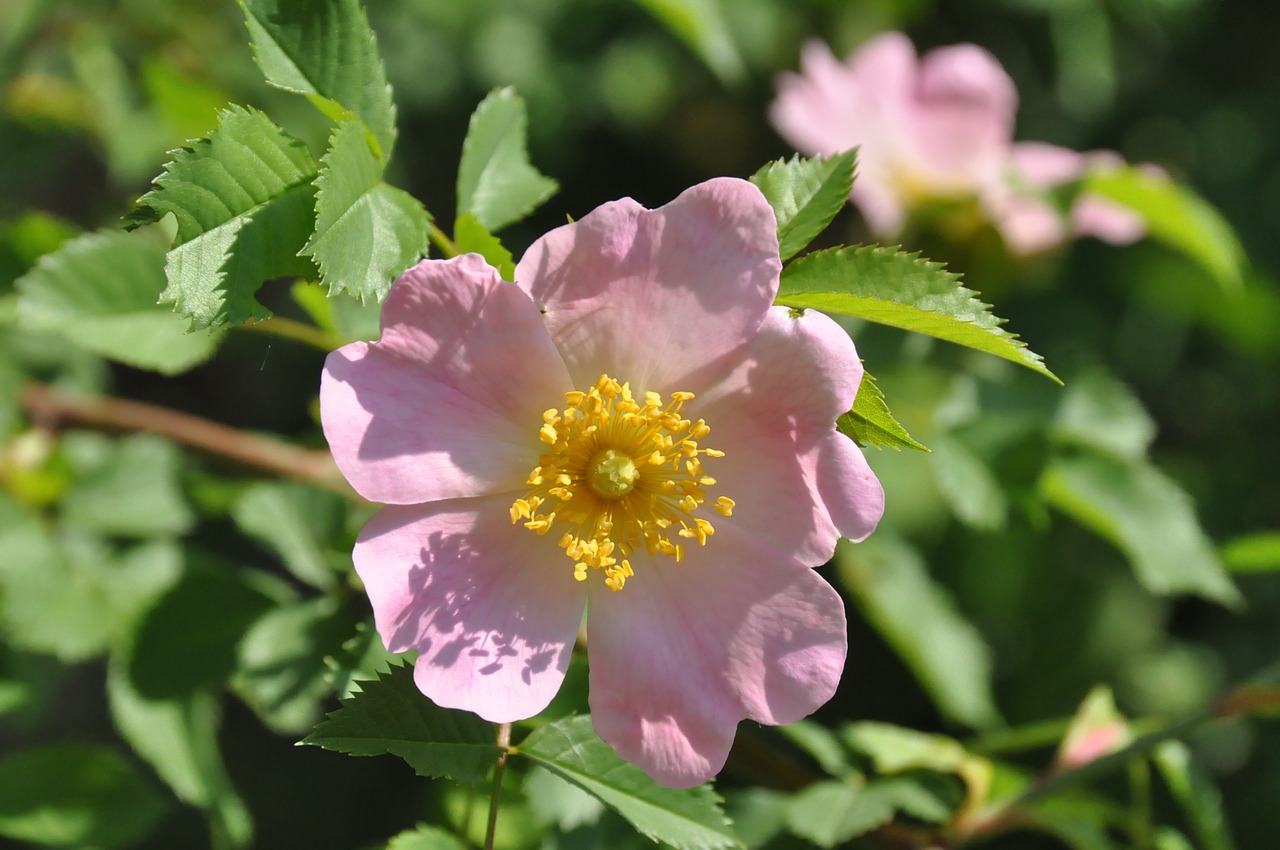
{"type": "Point", "coordinates": [448, 403]}
{"type": "Point", "coordinates": [1108, 220]}
{"type": "Point", "coordinates": [492, 610]}
{"type": "Point", "coordinates": [685, 651]}
{"type": "Point", "coordinates": [652, 296]}
{"type": "Point", "coordinates": [844, 484]}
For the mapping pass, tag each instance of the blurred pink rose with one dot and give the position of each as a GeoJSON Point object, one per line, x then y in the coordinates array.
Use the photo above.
{"type": "Point", "coordinates": [939, 128]}
{"type": "Point", "coordinates": [630, 427]}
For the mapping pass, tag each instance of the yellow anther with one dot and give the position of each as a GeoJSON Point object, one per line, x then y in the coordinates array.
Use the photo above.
{"type": "Point", "coordinates": [624, 472]}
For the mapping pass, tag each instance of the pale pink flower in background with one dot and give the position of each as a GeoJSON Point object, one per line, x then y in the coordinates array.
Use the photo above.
{"type": "Point", "coordinates": [939, 128]}
{"type": "Point", "coordinates": [630, 427]}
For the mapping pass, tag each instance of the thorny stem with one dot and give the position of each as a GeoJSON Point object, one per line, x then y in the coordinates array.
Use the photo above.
{"type": "Point", "coordinates": [504, 741]}
{"type": "Point", "coordinates": [50, 407]}
{"type": "Point", "coordinates": [294, 330]}
{"type": "Point", "coordinates": [441, 239]}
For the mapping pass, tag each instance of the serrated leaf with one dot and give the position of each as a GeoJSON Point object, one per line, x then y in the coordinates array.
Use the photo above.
{"type": "Point", "coordinates": [901, 290]}
{"type": "Point", "coordinates": [294, 521]}
{"type": "Point", "coordinates": [244, 203]}
{"type": "Point", "coordinates": [100, 291]}
{"type": "Point", "coordinates": [76, 795]}
{"type": "Point", "coordinates": [702, 26]}
{"type": "Point", "coordinates": [1253, 553]}
{"type": "Point", "coordinates": [687, 819]}
{"type": "Point", "coordinates": [496, 182]}
{"type": "Point", "coordinates": [892, 586]}
{"type": "Point", "coordinates": [326, 50]}
{"type": "Point", "coordinates": [179, 739]}
{"type": "Point", "coordinates": [367, 232]}
{"type": "Point", "coordinates": [1177, 217]}
{"type": "Point", "coordinates": [1147, 516]}
{"type": "Point", "coordinates": [1200, 800]}
{"type": "Point", "coordinates": [870, 423]}
{"type": "Point", "coordinates": [390, 715]}
{"type": "Point", "coordinates": [805, 195]}
{"type": "Point", "coordinates": [281, 672]}
{"type": "Point", "coordinates": [469, 236]}
{"type": "Point", "coordinates": [133, 491]}
{"type": "Point", "coordinates": [425, 838]}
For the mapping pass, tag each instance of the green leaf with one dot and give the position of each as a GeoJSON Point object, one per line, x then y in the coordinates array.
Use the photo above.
{"type": "Point", "coordinates": [870, 423]}
{"type": "Point", "coordinates": [367, 232]}
{"type": "Point", "coordinates": [820, 743]}
{"type": "Point", "coordinates": [179, 739]}
{"type": "Point", "coordinates": [496, 182]}
{"type": "Point", "coordinates": [390, 715]}
{"type": "Point", "coordinates": [805, 195]}
{"type": "Point", "coordinates": [902, 290]}
{"type": "Point", "coordinates": [968, 484]}
{"type": "Point", "coordinates": [892, 586]}
{"type": "Point", "coordinates": [77, 795]}
{"type": "Point", "coordinates": [1200, 800]}
{"type": "Point", "coordinates": [244, 203]}
{"type": "Point", "coordinates": [425, 838]}
{"type": "Point", "coordinates": [295, 521]}
{"type": "Point", "coordinates": [469, 236]}
{"type": "Point", "coordinates": [1100, 412]}
{"type": "Point", "coordinates": [831, 812]}
{"type": "Point", "coordinates": [701, 25]}
{"type": "Point", "coordinates": [131, 490]}
{"type": "Point", "coordinates": [188, 640]}
{"type": "Point", "coordinates": [360, 659]}
{"type": "Point", "coordinates": [325, 49]}
{"type": "Point", "coordinates": [282, 674]}
{"type": "Point", "coordinates": [1253, 553]}
{"type": "Point", "coordinates": [72, 597]}
{"type": "Point", "coordinates": [687, 819]}
{"type": "Point", "coordinates": [1168, 838]}
{"type": "Point", "coordinates": [556, 802]}
{"type": "Point", "coordinates": [896, 749]}
{"type": "Point", "coordinates": [27, 238]}
{"type": "Point", "coordinates": [1148, 516]}
{"type": "Point", "coordinates": [1082, 823]}
{"type": "Point", "coordinates": [1177, 217]}
{"type": "Point", "coordinates": [99, 291]}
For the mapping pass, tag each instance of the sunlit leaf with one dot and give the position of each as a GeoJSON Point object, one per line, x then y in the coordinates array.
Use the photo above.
{"type": "Point", "coordinates": [870, 423]}
{"type": "Point", "coordinates": [426, 838]}
{"type": "Point", "coordinates": [132, 491]}
{"type": "Point", "coordinates": [1200, 800]}
{"type": "Point", "coordinates": [1147, 515]}
{"type": "Point", "coordinates": [805, 195]}
{"type": "Point", "coordinates": [702, 26]}
{"type": "Point", "coordinates": [968, 484]}
{"type": "Point", "coordinates": [687, 819]}
{"type": "Point", "coordinates": [390, 715]}
{"type": "Point", "coordinates": [100, 291]}
{"type": "Point", "coordinates": [891, 584]}
{"type": "Point", "coordinates": [326, 50]}
{"type": "Point", "coordinates": [294, 521]}
{"type": "Point", "coordinates": [1099, 411]}
{"type": "Point", "coordinates": [895, 749]}
{"type": "Point", "coordinates": [470, 236]}
{"type": "Point", "coordinates": [831, 812]}
{"type": "Point", "coordinates": [179, 739]}
{"type": "Point", "coordinates": [244, 204]}
{"type": "Point", "coordinates": [902, 290]}
{"type": "Point", "coordinates": [496, 182]}
{"type": "Point", "coordinates": [1177, 217]}
{"type": "Point", "coordinates": [281, 672]}
{"type": "Point", "coordinates": [76, 795]}
{"type": "Point", "coordinates": [367, 232]}
{"type": "Point", "coordinates": [559, 803]}
{"type": "Point", "coordinates": [1253, 553]}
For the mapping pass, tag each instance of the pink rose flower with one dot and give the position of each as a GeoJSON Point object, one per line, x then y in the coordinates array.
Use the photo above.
{"type": "Point", "coordinates": [633, 428]}
{"type": "Point", "coordinates": [939, 128]}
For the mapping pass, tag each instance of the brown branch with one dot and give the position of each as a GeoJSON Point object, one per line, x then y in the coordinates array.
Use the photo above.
{"type": "Point", "coordinates": [51, 407]}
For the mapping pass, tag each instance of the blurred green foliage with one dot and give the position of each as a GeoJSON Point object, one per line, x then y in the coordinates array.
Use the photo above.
{"type": "Point", "coordinates": [1043, 547]}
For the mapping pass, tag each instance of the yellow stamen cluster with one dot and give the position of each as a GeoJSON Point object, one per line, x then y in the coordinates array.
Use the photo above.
{"type": "Point", "coordinates": [621, 474]}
